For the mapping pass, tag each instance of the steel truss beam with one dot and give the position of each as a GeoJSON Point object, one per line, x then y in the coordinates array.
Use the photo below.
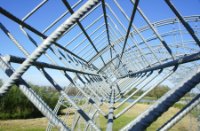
{"type": "Point", "coordinates": [182, 60]}
{"type": "Point", "coordinates": [32, 96]}
{"type": "Point", "coordinates": [179, 115]}
{"type": "Point", "coordinates": [106, 62]}
{"type": "Point", "coordinates": [20, 60]}
{"type": "Point", "coordinates": [164, 103]}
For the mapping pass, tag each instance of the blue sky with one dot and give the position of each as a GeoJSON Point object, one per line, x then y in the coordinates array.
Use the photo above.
{"type": "Point", "coordinates": [155, 10]}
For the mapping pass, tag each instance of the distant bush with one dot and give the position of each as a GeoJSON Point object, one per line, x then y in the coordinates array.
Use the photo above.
{"type": "Point", "coordinates": [72, 91]}
{"type": "Point", "coordinates": [15, 105]}
{"type": "Point", "coordinates": [179, 105]}
{"type": "Point", "coordinates": [137, 94]}
{"type": "Point", "coordinates": [158, 91]}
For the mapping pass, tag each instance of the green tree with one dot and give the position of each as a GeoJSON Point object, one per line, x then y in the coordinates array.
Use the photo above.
{"type": "Point", "coordinates": [140, 92]}
{"type": "Point", "coordinates": [158, 91]}
{"type": "Point", "coordinates": [14, 103]}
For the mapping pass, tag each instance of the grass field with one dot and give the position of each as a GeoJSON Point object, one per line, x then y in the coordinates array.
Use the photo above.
{"type": "Point", "coordinates": [39, 124]}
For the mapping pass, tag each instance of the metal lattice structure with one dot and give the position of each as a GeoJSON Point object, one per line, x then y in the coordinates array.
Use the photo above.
{"type": "Point", "coordinates": [96, 47]}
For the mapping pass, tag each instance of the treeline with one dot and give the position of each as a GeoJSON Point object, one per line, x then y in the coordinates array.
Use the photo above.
{"type": "Point", "coordinates": [156, 93]}
{"type": "Point", "coordinates": [15, 105]}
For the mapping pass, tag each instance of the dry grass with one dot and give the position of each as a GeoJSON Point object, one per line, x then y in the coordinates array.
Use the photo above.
{"type": "Point", "coordinates": [188, 123]}
{"type": "Point", "coordinates": [23, 125]}
{"type": "Point", "coordinates": [39, 124]}
{"type": "Point", "coordinates": [184, 125]}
